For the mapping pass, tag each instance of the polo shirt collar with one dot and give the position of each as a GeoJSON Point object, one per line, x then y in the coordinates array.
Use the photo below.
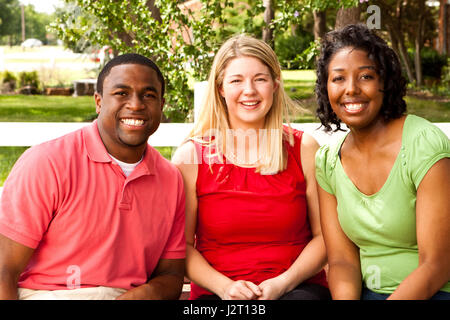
{"type": "Point", "coordinates": [97, 152]}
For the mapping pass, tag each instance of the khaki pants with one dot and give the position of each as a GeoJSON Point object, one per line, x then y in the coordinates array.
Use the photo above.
{"type": "Point", "coordinates": [92, 293]}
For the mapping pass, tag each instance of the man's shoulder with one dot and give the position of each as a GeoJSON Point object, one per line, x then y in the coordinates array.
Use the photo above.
{"type": "Point", "coordinates": [56, 147]}
{"type": "Point", "coordinates": [61, 147]}
{"type": "Point", "coordinates": [162, 165]}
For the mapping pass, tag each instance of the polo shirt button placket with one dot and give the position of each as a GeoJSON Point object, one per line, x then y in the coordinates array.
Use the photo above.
{"type": "Point", "coordinates": [125, 201]}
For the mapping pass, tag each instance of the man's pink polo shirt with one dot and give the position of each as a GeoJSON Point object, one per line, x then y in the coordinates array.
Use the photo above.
{"type": "Point", "coordinates": [88, 223]}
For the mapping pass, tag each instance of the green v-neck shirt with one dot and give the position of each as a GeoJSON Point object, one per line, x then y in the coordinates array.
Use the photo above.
{"type": "Point", "coordinates": [383, 225]}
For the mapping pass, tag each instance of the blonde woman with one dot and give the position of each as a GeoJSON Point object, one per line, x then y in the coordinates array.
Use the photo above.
{"type": "Point", "coordinates": [252, 216]}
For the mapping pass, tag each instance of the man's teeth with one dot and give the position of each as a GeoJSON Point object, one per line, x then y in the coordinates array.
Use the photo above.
{"type": "Point", "coordinates": [133, 122]}
{"type": "Point", "coordinates": [353, 106]}
{"type": "Point", "coordinates": [250, 103]}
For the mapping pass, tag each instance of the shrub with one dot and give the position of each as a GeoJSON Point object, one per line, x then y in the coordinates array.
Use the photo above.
{"type": "Point", "coordinates": [289, 47]}
{"type": "Point", "coordinates": [29, 78]}
{"type": "Point", "coordinates": [445, 77]}
{"type": "Point", "coordinates": [432, 62]}
{"type": "Point", "coordinates": [9, 81]}
{"type": "Point", "coordinates": [8, 77]}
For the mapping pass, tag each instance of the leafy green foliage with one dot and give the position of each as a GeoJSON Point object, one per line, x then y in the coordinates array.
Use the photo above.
{"type": "Point", "coordinates": [180, 41]}
{"type": "Point", "coordinates": [8, 76]}
{"type": "Point", "coordinates": [28, 78]}
{"type": "Point", "coordinates": [10, 23]}
{"type": "Point", "coordinates": [290, 50]}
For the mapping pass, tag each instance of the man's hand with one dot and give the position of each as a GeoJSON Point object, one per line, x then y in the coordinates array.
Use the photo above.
{"type": "Point", "coordinates": [142, 292]}
{"type": "Point", "coordinates": [13, 259]}
{"type": "Point", "coordinates": [166, 283]}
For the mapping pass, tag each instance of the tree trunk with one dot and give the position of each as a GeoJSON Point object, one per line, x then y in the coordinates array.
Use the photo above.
{"type": "Point", "coordinates": [444, 36]}
{"type": "Point", "coordinates": [126, 37]}
{"type": "Point", "coordinates": [403, 54]}
{"type": "Point", "coordinates": [347, 16]}
{"type": "Point", "coordinates": [418, 42]}
{"type": "Point", "coordinates": [319, 23]}
{"type": "Point", "coordinates": [269, 14]}
{"type": "Point", "coordinates": [156, 14]}
{"type": "Point", "coordinates": [22, 15]}
{"type": "Point", "coordinates": [394, 26]}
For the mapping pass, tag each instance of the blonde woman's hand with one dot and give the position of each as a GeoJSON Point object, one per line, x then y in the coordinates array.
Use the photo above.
{"type": "Point", "coordinates": [241, 290]}
{"type": "Point", "coordinates": [272, 289]}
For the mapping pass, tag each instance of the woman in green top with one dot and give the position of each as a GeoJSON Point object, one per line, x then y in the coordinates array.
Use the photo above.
{"type": "Point", "coordinates": [384, 188]}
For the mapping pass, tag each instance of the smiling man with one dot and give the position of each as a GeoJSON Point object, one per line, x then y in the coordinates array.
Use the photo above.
{"type": "Point", "coordinates": [98, 213]}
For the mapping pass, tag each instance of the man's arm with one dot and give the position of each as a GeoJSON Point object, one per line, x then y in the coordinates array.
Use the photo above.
{"type": "Point", "coordinates": [166, 283]}
{"type": "Point", "coordinates": [13, 259]}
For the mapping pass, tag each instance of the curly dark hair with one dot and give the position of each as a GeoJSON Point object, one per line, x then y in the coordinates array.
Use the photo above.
{"type": "Point", "coordinates": [388, 65]}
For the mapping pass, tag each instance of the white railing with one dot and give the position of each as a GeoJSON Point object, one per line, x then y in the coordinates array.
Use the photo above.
{"type": "Point", "coordinates": [168, 134]}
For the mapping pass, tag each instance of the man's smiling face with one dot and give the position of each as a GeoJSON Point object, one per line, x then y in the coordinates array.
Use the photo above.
{"type": "Point", "coordinates": [129, 109]}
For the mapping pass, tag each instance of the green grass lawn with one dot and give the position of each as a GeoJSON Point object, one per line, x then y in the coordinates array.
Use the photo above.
{"type": "Point", "coordinates": [40, 108]}
{"type": "Point", "coordinates": [8, 156]}
{"type": "Point", "coordinates": [432, 110]}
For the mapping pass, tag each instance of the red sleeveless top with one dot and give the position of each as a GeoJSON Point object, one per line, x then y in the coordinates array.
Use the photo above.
{"type": "Point", "coordinates": [251, 226]}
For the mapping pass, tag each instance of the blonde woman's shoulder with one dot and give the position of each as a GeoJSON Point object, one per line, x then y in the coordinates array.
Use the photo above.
{"type": "Point", "coordinates": [185, 154]}
{"type": "Point", "coordinates": [309, 143]}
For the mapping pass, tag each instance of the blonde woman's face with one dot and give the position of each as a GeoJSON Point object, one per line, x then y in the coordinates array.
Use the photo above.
{"type": "Point", "coordinates": [248, 90]}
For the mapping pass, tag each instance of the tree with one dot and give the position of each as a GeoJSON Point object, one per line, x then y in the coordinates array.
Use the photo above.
{"type": "Point", "coordinates": [346, 16]}
{"type": "Point", "coordinates": [320, 20]}
{"type": "Point", "coordinates": [444, 26]}
{"type": "Point", "coordinates": [182, 42]}
{"type": "Point", "coordinates": [269, 14]}
{"type": "Point", "coordinates": [35, 23]}
{"type": "Point", "coordinates": [10, 20]}
{"type": "Point", "coordinates": [409, 24]}
{"type": "Point", "coordinates": [418, 42]}
{"type": "Point", "coordinates": [154, 29]}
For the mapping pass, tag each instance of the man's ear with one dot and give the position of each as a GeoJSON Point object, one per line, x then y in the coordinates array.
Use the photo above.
{"type": "Point", "coordinates": [98, 102]}
{"type": "Point", "coordinates": [163, 101]}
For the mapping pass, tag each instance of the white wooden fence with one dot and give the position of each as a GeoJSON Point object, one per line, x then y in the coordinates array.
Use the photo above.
{"type": "Point", "coordinates": [168, 134]}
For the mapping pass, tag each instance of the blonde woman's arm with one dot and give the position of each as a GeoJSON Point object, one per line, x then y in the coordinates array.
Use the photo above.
{"type": "Point", "coordinates": [344, 268]}
{"type": "Point", "coordinates": [198, 269]}
{"type": "Point", "coordinates": [313, 257]}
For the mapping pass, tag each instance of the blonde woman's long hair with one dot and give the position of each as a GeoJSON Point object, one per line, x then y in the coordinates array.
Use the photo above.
{"type": "Point", "coordinates": [213, 121]}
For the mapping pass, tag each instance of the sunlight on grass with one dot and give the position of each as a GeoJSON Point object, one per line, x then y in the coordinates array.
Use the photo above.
{"type": "Point", "coordinates": [431, 110]}
{"type": "Point", "coordinates": [19, 108]}
{"type": "Point", "coordinates": [299, 75]}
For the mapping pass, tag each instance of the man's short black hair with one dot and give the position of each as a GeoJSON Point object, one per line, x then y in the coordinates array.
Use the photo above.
{"type": "Point", "coordinates": [388, 67]}
{"type": "Point", "coordinates": [128, 58]}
